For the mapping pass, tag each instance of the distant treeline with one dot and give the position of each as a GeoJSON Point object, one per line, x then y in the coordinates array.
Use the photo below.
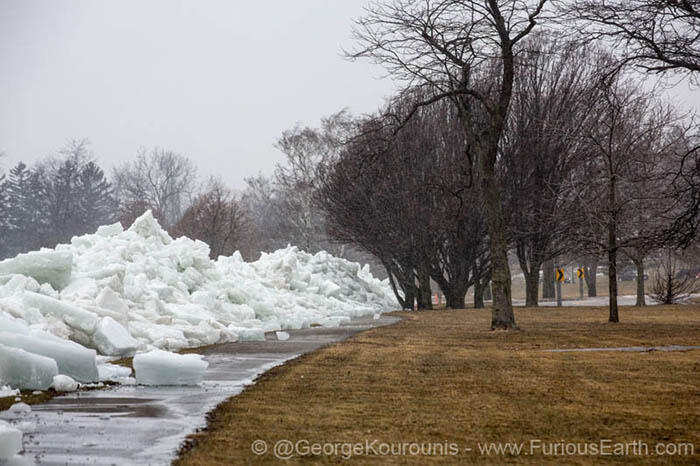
{"type": "Point", "coordinates": [51, 202]}
{"type": "Point", "coordinates": [69, 194]}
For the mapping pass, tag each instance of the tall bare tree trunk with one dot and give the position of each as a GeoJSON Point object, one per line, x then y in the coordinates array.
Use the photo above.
{"type": "Point", "coordinates": [591, 276]}
{"type": "Point", "coordinates": [641, 301]}
{"type": "Point", "coordinates": [532, 287]}
{"type": "Point", "coordinates": [548, 290]}
{"type": "Point", "coordinates": [502, 316]}
{"type": "Point", "coordinates": [425, 295]}
{"type": "Point", "coordinates": [487, 291]}
{"type": "Point", "coordinates": [612, 251]}
{"type": "Point", "coordinates": [454, 299]}
{"type": "Point", "coordinates": [478, 295]}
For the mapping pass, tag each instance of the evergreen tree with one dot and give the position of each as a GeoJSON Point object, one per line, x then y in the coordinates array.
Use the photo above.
{"type": "Point", "coordinates": [96, 200]}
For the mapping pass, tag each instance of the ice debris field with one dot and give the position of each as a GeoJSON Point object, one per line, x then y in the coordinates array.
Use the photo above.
{"type": "Point", "coordinates": [66, 312]}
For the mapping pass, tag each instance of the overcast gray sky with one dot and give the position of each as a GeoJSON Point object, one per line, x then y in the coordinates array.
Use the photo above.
{"type": "Point", "coordinates": [216, 80]}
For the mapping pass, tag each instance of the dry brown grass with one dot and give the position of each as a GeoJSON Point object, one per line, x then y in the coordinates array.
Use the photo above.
{"type": "Point", "coordinates": [27, 396]}
{"type": "Point", "coordinates": [442, 376]}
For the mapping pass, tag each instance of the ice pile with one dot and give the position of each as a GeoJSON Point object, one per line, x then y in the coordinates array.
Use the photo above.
{"type": "Point", "coordinates": [120, 291]}
{"type": "Point", "coordinates": [6, 390]}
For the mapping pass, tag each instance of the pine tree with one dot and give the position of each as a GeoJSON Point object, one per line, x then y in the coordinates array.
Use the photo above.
{"type": "Point", "coordinates": [97, 205]}
{"type": "Point", "coordinates": [24, 214]}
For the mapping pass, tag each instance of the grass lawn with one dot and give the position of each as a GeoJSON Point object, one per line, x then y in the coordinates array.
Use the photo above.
{"type": "Point", "coordinates": [441, 377]}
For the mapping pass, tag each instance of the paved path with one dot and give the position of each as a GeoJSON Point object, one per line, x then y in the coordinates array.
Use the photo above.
{"type": "Point", "coordinates": [146, 425]}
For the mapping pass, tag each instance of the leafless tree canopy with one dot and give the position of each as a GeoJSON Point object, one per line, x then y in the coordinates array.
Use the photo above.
{"type": "Point", "coordinates": [160, 180]}
{"type": "Point", "coordinates": [217, 217]}
{"type": "Point", "coordinates": [623, 186]}
{"type": "Point", "coordinates": [404, 197]}
{"type": "Point", "coordinates": [654, 35]}
{"type": "Point", "coordinates": [673, 284]}
{"type": "Point", "coordinates": [462, 51]}
{"type": "Point", "coordinates": [553, 105]}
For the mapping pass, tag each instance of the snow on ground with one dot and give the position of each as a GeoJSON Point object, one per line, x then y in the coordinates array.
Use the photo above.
{"type": "Point", "coordinates": [118, 292]}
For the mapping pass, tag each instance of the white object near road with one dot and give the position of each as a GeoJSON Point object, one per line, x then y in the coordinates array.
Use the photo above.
{"type": "Point", "coordinates": [63, 383]}
{"type": "Point", "coordinates": [159, 367]}
{"type": "Point", "coordinates": [71, 358]}
{"type": "Point", "coordinates": [10, 441]}
{"type": "Point", "coordinates": [112, 339]}
{"type": "Point", "coordinates": [282, 336]}
{"type": "Point", "coordinates": [19, 368]}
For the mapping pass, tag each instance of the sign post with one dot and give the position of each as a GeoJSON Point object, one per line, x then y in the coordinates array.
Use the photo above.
{"type": "Point", "coordinates": [559, 275]}
{"type": "Point", "coordinates": [581, 275]}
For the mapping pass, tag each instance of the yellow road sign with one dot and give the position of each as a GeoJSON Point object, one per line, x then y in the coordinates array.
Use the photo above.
{"type": "Point", "coordinates": [580, 272]}
{"type": "Point", "coordinates": [560, 275]}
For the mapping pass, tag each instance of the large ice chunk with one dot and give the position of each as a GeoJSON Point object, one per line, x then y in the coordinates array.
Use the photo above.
{"type": "Point", "coordinates": [160, 367]}
{"type": "Point", "coordinates": [53, 267]}
{"type": "Point", "coordinates": [112, 372]}
{"type": "Point", "coordinates": [21, 369]}
{"type": "Point", "coordinates": [147, 226]}
{"type": "Point", "coordinates": [10, 441]}
{"type": "Point", "coordinates": [75, 317]}
{"type": "Point", "coordinates": [109, 299]}
{"type": "Point", "coordinates": [110, 230]}
{"type": "Point", "coordinates": [112, 339]}
{"type": "Point", "coordinates": [63, 383]}
{"type": "Point", "coordinates": [71, 358]}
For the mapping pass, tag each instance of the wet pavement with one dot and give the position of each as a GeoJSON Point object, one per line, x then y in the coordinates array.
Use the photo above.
{"type": "Point", "coordinates": [146, 425]}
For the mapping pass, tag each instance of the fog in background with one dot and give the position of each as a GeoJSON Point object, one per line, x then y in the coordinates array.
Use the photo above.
{"type": "Point", "coordinates": [217, 81]}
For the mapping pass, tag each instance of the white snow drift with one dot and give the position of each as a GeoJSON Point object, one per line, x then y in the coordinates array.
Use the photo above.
{"type": "Point", "coordinates": [119, 292]}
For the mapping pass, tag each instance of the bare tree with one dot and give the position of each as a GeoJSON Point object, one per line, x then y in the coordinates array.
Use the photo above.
{"type": "Point", "coordinates": [672, 285]}
{"type": "Point", "coordinates": [653, 35]}
{"type": "Point", "coordinates": [404, 197]}
{"type": "Point", "coordinates": [295, 179]}
{"type": "Point", "coordinates": [370, 200]}
{"type": "Point", "coordinates": [444, 44]}
{"type": "Point", "coordinates": [552, 102]}
{"type": "Point", "coordinates": [160, 180]}
{"type": "Point", "coordinates": [684, 216]}
{"type": "Point", "coordinates": [590, 274]}
{"type": "Point", "coordinates": [624, 169]}
{"type": "Point", "coordinates": [216, 217]}
{"type": "Point", "coordinates": [266, 228]}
